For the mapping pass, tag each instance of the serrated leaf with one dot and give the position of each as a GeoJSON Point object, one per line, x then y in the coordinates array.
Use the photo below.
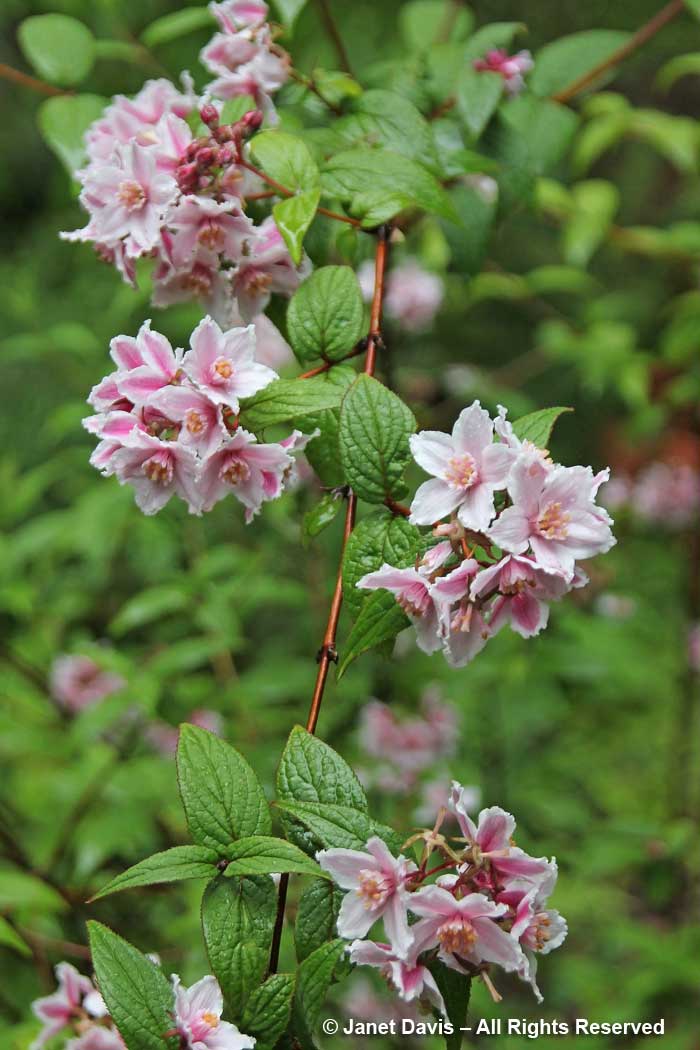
{"type": "Point", "coordinates": [137, 994]}
{"type": "Point", "coordinates": [320, 517]}
{"type": "Point", "coordinates": [9, 938]}
{"type": "Point", "coordinates": [385, 118]}
{"type": "Point", "coordinates": [377, 184]}
{"type": "Point", "coordinates": [285, 158]}
{"type": "Point", "coordinates": [311, 771]}
{"type": "Point", "coordinates": [238, 917]}
{"type": "Point", "coordinates": [221, 794]}
{"type": "Point", "coordinates": [325, 318]}
{"type": "Point", "coordinates": [478, 95]}
{"type": "Point", "coordinates": [380, 620]}
{"type": "Point", "coordinates": [323, 452]}
{"type": "Point", "coordinates": [377, 539]}
{"type": "Point", "coordinates": [289, 400]}
{"type": "Point", "coordinates": [314, 978]}
{"type": "Point", "coordinates": [455, 989]}
{"type": "Point", "coordinates": [63, 122]}
{"type": "Point", "coordinates": [317, 915]}
{"type": "Point", "coordinates": [337, 825]}
{"type": "Point", "coordinates": [375, 426]}
{"type": "Point", "coordinates": [293, 217]}
{"type": "Point", "coordinates": [537, 426]}
{"type": "Point", "coordinates": [265, 855]}
{"type": "Point", "coordinates": [177, 24]}
{"type": "Point", "coordinates": [268, 1009]}
{"type": "Point", "coordinates": [171, 865]}
{"type": "Point", "coordinates": [563, 61]}
{"type": "Point", "coordinates": [60, 48]}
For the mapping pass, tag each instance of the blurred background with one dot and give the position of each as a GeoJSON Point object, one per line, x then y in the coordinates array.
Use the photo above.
{"type": "Point", "coordinates": [581, 290]}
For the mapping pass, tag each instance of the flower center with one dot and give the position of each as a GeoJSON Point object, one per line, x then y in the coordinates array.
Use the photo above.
{"type": "Point", "coordinates": [159, 468]}
{"type": "Point", "coordinates": [194, 421]}
{"type": "Point", "coordinates": [538, 933]}
{"type": "Point", "coordinates": [456, 936]}
{"type": "Point", "coordinates": [553, 522]}
{"type": "Point", "coordinates": [462, 619]}
{"type": "Point", "coordinates": [236, 470]}
{"type": "Point", "coordinates": [211, 1019]}
{"type": "Point", "coordinates": [222, 369]}
{"type": "Point", "coordinates": [199, 281]}
{"type": "Point", "coordinates": [374, 887]}
{"type": "Point", "coordinates": [414, 600]}
{"type": "Point", "coordinates": [211, 236]}
{"type": "Point", "coordinates": [461, 471]}
{"type": "Point", "coordinates": [131, 194]}
{"type": "Point", "coordinates": [256, 282]}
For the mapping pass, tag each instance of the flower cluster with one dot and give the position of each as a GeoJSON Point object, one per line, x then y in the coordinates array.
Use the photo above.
{"type": "Point", "coordinates": [407, 747]}
{"type": "Point", "coordinates": [487, 905]}
{"type": "Point", "coordinates": [78, 1007]}
{"type": "Point", "coordinates": [662, 493]}
{"type": "Point", "coordinates": [413, 294]}
{"type": "Point", "coordinates": [154, 188]}
{"type": "Point", "coordinates": [518, 525]}
{"type": "Point", "coordinates": [511, 67]}
{"type": "Point", "coordinates": [77, 682]}
{"type": "Point", "coordinates": [168, 422]}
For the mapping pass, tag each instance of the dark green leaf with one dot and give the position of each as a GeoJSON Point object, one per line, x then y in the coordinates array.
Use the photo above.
{"type": "Point", "coordinates": [311, 771]}
{"type": "Point", "coordinates": [338, 826]}
{"type": "Point", "coordinates": [537, 426]}
{"type": "Point", "coordinates": [325, 317]}
{"type": "Point", "coordinates": [9, 938]}
{"type": "Point", "coordinates": [380, 620]}
{"type": "Point", "coordinates": [289, 400]}
{"type": "Point", "coordinates": [60, 48]}
{"type": "Point", "coordinates": [180, 862]}
{"type": "Point", "coordinates": [313, 981]}
{"type": "Point", "coordinates": [323, 452]}
{"type": "Point", "coordinates": [265, 855]}
{"type": "Point", "coordinates": [316, 918]}
{"type": "Point", "coordinates": [455, 989]}
{"type": "Point", "coordinates": [375, 426]}
{"type": "Point", "coordinates": [320, 517]}
{"type": "Point", "coordinates": [377, 539]}
{"type": "Point", "coordinates": [384, 118]}
{"type": "Point", "coordinates": [268, 1009]}
{"type": "Point", "coordinates": [478, 95]}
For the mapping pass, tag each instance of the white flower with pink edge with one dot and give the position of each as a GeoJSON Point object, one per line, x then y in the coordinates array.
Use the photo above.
{"type": "Point", "coordinates": [198, 1018]}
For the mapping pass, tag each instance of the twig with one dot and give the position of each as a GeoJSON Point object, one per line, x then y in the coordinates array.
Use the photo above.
{"type": "Point", "coordinates": [310, 84]}
{"type": "Point", "coordinates": [16, 76]}
{"type": "Point", "coordinates": [327, 365]}
{"type": "Point", "coordinates": [637, 40]}
{"type": "Point", "coordinates": [283, 191]}
{"type": "Point", "coordinates": [334, 34]}
{"type": "Point", "coordinates": [327, 654]}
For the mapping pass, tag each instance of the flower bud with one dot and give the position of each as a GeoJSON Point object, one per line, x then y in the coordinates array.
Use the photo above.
{"type": "Point", "coordinates": [209, 115]}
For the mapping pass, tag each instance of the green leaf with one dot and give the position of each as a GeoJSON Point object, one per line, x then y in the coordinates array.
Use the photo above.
{"type": "Point", "coordinates": [375, 426]}
{"type": "Point", "coordinates": [377, 539]}
{"type": "Point", "coordinates": [148, 606]}
{"type": "Point", "coordinates": [20, 891]}
{"type": "Point", "coordinates": [384, 118]}
{"type": "Point", "coordinates": [289, 10]}
{"type": "Point", "coordinates": [377, 184]}
{"type": "Point", "coordinates": [533, 137]}
{"type": "Point", "coordinates": [320, 517]}
{"type": "Point", "coordinates": [314, 978]}
{"type": "Point", "coordinates": [380, 620]}
{"type": "Point", "coordinates": [317, 915]}
{"type": "Point", "coordinates": [565, 60]}
{"type": "Point", "coordinates": [323, 453]}
{"type": "Point", "coordinates": [325, 317]}
{"type": "Point", "coordinates": [293, 217]}
{"type": "Point", "coordinates": [238, 918]}
{"type": "Point", "coordinates": [422, 22]}
{"type": "Point", "coordinates": [63, 122]}
{"type": "Point", "coordinates": [221, 794]}
{"type": "Point", "coordinates": [290, 400]}
{"type": "Point", "coordinates": [455, 989]}
{"type": "Point", "coordinates": [60, 48]}
{"type": "Point", "coordinates": [139, 998]}
{"type": "Point", "coordinates": [693, 6]}
{"type": "Point", "coordinates": [180, 862]}
{"type": "Point", "coordinates": [337, 825]}
{"type": "Point", "coordinates": [311, 771]}
{"type": "Point", "coordinates": [547, 280]}
{"type": "Point", "coordinates": [268, 1009]}
{"type": "Point", "coordinates": [677, 67]}
{"type": "Point", "coordinates": [478, 95]}
{"type": "Point", "coordinates": [495, 35]}
{"type": "Point", "coordinates": [595, 203]}
{"type": "Point", "coordinates": [179, 23]}
{"type": "Point", "coordinates": [469, 240]}
{"type": "Point", "coordinates": [286, 159]}
{"type": "Point", "coordinates": [9, 938]}
{"type": "Point", "coordinates": [537, 426]}
{"type": "Point", "coordinates": [265, 855]}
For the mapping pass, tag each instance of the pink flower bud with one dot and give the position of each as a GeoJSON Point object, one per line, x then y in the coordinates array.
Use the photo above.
{"type": "Point", "coordinates": [187, 176]}
{"type": "Point", "coordinates": [209, 115]}
{"type": "Point", "coordinates": [205, 157]}
{"type": "Point", "coordinates": [253, 120]}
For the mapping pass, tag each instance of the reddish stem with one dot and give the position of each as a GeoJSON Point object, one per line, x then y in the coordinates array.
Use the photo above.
{"type": "Point", "coordinates": [283, 191]}
{"type": "Point", "coordinates": [326, 367]}
{"type": "Point", "coordinates": [16, 76]}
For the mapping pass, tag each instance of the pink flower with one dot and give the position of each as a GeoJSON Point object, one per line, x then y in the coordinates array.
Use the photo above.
{"type": "Point", "coordinates": [125, 118]}
{"type": "Point", "coordinates": [146, 364]}
{"type": "Point", "coordinates": [376, 883]}
{"type": "Point", "coordinates": [97, 1037]}
{"type": "Point", "coordinates": [413, 590]}
{"type": "Point", "coordinates": [410, 978]}
{"type": "Point", "coordinates": [58, 1010]}
{"type": "Point", "coordinates": [413, 294]}
{"type": "Point", "coordinates": [222, 363]}
{"type": "Point", "coordinates": [467, 469]}
{"type": "Point", "coordinates": [198, 1018]}
{"type": "Point", "coordinates": [462, 627]}
{"type": "Point", "coordinates": [267, 268]}
{"type": "Point", "coordinates": [264, 74]}
{"type": "Point", "coordinates": [158, 470]}
{"type": "Point", "coordinates": [201, 222]}
{"type": "Point", "coordinates": [225, 52]}
{"type": "Point", "coordinates": [538, 929]}
{"type": "Point", "coordinates": [202, 426]}
{"type": "Point", "coordinates": [78, 682]}
{"type": "Point", "coordinates": [511, 67]}
{"type": "Point", "coordinates": [233, 15]}
{"type": "Point", "coordinates": [253, 472]}
{"type": "Point", "coordinates": [463, 929]}
{"type": "Point", "coordinates": [491, 841]}
{"type": "Point", "coordinates": [505, 431]}
{"type": "Point", "coordinates": [523, 590]}
{"type": "Point", "coordinates": [554, 514]}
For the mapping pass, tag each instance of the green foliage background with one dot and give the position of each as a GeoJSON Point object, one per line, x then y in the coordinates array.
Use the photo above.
{"type": "Point", "coordinates": [578, 731]}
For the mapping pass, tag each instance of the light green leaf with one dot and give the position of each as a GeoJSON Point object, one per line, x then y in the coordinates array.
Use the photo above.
{"type": "Point", "coordinates": [286, 159]}
{"type": "Point", "coordinates": [595, 203]}
{"type": "Point", "coordinates": [546, 280]}
{"type": "Point", "coordinates": [63, 122]}
{"type": "Point", "coordinates": [677, 67]}
{"type": "Point", "coordinates": [289, 10]}
{"type": "Point", "coordinates": [533, 137]}
{"type": "Point", "coordinates": [20, 891]}
{"type": "Point", "coordinates": [221, 794]}
{"type": "Point", "coordinates": [377, 184]}
{"type": "Point", "coordinates": [311, 771]}
{"type": "Point", "coordinates": [147, 606]}
{"type": "Point", "coordinates": [293, 216]}
{"type": "Point", "coordinates": [478, 95]}
{"type": "Point", "coordinates": [537, 426]}
{"type": "Point", "coordinates": [693, 6]}
{"type": "Point", "coordinates": [337, 825]}
{"type": "Point", "coordinates": [326, 315]}
{"type": "Point", "coordinates": [320, 517]}
{"type": "Point", "coordinates": [60, 48]}
{"type": "Point", "coordinates": [565, 60]}
{"type": "Point", "coordinates": [177, 24]}
{"type": "Point", "coordinates": [180, 862]}
{"type": "Point", "coordinates": [265, 855]}
{"type": "Point", "coordinates": [423, 22]}
{"type": "Point", "coordinates": [137, 994]}
{"type": "Point", "coordinates": [375, 426]}
{"type": "Point", "coordinates": [377, 539]}
{"type": "Point", "coordinates": [268, 1009]}
{"type": "Point", "coordinates": [317, 916]}
{"type": "Point", "coordinates": [290, 400]}
{"type": "Point", "coordinates": [494, 35]}
{"type": "Point", "coordinates": [384, 118]}
{"type": "Point", "coordinates": [9, 938]}
{"type": "Point", "coordinates": [380, 620]}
